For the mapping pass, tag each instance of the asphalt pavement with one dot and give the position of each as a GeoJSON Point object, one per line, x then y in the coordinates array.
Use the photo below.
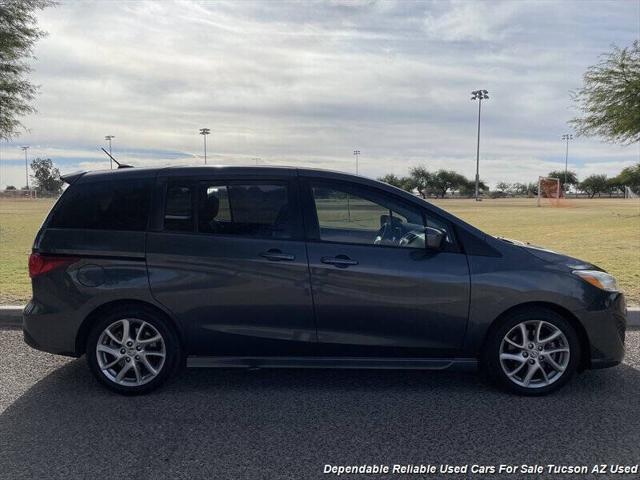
{"type": "Point", "coordinates": [57, 422]}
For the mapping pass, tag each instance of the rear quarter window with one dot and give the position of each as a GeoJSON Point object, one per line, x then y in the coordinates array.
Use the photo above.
{"type": "Point", "coordinates": [111, 205]}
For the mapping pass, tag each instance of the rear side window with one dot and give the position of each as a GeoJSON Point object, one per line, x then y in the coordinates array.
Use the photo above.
{"type": "Point", "coordinates": [252, 210]}
{"type": "Point", "coordinates": [113, 205]}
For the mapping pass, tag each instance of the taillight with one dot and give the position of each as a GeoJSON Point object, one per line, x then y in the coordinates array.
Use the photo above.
{"type": "Point", "coordinates": [41, 264]}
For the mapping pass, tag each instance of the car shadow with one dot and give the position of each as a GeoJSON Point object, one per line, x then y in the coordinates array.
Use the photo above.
{"type": "Point", "coordinates": [290, 423]}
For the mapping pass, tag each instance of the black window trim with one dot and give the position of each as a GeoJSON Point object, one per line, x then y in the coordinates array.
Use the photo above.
{"type": "Point", "coordinates": [163, 204]}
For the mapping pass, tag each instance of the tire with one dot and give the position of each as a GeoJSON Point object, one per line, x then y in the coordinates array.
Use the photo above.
{"type": "Point", "coordinates": [551, 350]}
{"type": "Point", "coordinates": [149, 354]}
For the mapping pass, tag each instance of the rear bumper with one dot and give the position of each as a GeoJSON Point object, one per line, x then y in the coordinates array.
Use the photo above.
{"type": "Point", "coordinates": [48, 331]}
{"type": "Point", "coordinates": [605, 323]}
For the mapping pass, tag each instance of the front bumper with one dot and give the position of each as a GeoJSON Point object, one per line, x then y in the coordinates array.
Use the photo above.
{"type": "Point", "coordinates": [605, 323]}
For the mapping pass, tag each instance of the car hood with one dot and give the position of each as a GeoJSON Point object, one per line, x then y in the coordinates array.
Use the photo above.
{"type": "Point", "coordinates": [552, 256]}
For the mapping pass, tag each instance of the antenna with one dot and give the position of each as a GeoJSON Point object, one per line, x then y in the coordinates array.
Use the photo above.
{"type": "Point", "coordinates": [120, 165]}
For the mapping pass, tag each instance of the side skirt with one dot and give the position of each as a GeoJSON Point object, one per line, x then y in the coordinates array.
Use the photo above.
{"type": "Point", "coordinates": [458, 364]}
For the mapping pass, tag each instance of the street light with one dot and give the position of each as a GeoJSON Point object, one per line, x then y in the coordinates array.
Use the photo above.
{"type": "Point", "coordinates": [108, 138]}
{"type": "Point", "coordinates": [566, 137]}
{"type": "Point", "coordinates": [478, 95]}
{"type": "Point", "coordinates": [26, 168]}
{"type": "Point", "coordinates": [356, 153]}
{"type": "Point", "coordinates": [204, 132]}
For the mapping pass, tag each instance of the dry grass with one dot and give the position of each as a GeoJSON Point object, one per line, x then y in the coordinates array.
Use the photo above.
{"type": "Point", "coordinates": [603, 231]}
{"type": "Point", "coordinates": [19, 222]}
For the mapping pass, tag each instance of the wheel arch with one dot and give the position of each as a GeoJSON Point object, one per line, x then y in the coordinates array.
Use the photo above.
{"type": "Point", "coordinates": [585, 360]}
{"type": "Point", "coordinates": [94, 315]}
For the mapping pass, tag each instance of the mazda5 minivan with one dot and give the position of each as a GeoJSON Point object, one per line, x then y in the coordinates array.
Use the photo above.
{"type": "Point", "coordinates": [146, 270]}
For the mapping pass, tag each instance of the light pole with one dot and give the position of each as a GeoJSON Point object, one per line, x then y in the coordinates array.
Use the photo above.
{"type": "Point", "coordinates": [356, 153]}
{"type": "Point", "coordinates": [204, 132]}
{"type": "Point", "coordinates": [26, 167]}
{"type": "Point", "coordinates": [478, 95]}
{"type": "Point", "coordinates": [108, 138]}
{"type": "Point", "coordinates": [566, 137]}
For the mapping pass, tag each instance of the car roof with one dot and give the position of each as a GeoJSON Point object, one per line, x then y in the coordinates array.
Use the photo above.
{"type": "Point", "coordinates": [204, 170]}
{"type": "Point", "coordinates": [224, 171]}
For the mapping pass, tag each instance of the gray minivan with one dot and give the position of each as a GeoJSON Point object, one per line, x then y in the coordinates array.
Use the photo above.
{"type": "Point", "coordinates": [145, 270]}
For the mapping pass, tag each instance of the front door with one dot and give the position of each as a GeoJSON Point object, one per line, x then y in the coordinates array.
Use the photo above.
{"type": "Point", "coordinates": [231, 264]}
{"type": "Point", "coordinates": [378, 291]}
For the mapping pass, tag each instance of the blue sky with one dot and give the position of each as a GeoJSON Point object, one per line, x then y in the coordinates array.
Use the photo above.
{"type": "Point", "coordinates": [305, 84]}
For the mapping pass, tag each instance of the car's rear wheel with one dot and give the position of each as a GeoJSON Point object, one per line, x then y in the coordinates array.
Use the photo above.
{"type": "Point", "coordinates": [132, 350]}
{"type": "Point", "coordinates": [533, 352]}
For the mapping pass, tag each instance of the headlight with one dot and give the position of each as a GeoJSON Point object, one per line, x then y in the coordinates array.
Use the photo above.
{"type": "Point", "coordinates": [602, 280]}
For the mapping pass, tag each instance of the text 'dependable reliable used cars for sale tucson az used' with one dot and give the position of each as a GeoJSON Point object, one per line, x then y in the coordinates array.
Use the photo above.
{"type": "Point", "coordinates": [145, 270]}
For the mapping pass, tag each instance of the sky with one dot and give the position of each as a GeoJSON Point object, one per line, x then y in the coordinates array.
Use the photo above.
{"type": "Point", "coordinates": [306, 84]}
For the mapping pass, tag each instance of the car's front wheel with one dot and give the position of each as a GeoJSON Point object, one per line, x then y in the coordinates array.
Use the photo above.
{"type": "Point", "coordinates": [132, 350]}
{"type": "Point", "coordinates": [533, 352]}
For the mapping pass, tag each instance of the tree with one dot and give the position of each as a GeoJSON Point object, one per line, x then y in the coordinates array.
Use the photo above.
{"type": "Point", "coordinates": [46, 176]}
{"type": "Point", "coordinates": [630, 177]}
{"type": "Point", "coordinates": [594, 184]}
{"type": "Point", "coordinates": [391, 179]}
{"type": "Point", "coordinates": [503, 187]}
{"type": "Point", "coordinates": [610, 97]}
{"type": "Point", "coordinates": [614, 186]}
{"type": "Point", "coordinates": [405, 183]}
{"type": "Point", "coordinates": [520, 188]}
{"type": "Point", "coordinates": [445, 180]}
{"type": "Point", "coordinates": [572, 177]}
{"type": "Point", "coordinates": [18, 35]}
{"type": "Point", "coordinates": [469, 188]}
{"type": "Point", "coordinates": [422, 180]}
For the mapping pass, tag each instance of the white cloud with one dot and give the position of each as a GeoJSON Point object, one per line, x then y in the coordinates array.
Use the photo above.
{"type": "Point", "coordinates": [306, 83]}
{"type": "Point", "coordinates": [473, 21]}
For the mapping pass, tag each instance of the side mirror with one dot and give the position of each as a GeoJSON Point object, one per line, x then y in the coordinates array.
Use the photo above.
{"type": "Point", "coordinates": [434, 238]}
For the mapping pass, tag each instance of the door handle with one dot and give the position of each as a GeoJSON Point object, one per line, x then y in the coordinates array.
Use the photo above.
{"type": "Point", "coordinates": [275, 255]}
{"type": "Point", "coordinates": [340, 261]}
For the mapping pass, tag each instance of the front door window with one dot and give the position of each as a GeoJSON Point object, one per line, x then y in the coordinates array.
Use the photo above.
{"type": "Point", "coordinates": [349, 214]}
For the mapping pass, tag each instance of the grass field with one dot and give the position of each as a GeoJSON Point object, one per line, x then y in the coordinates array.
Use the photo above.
{"type": "Point", "coordinates": [603, 231]}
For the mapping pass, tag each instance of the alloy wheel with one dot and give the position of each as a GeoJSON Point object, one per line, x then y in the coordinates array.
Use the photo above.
{"type": "Point", "coordinates": [130, 352]}
{"type": "Point", "coordinates": [534, 354]}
